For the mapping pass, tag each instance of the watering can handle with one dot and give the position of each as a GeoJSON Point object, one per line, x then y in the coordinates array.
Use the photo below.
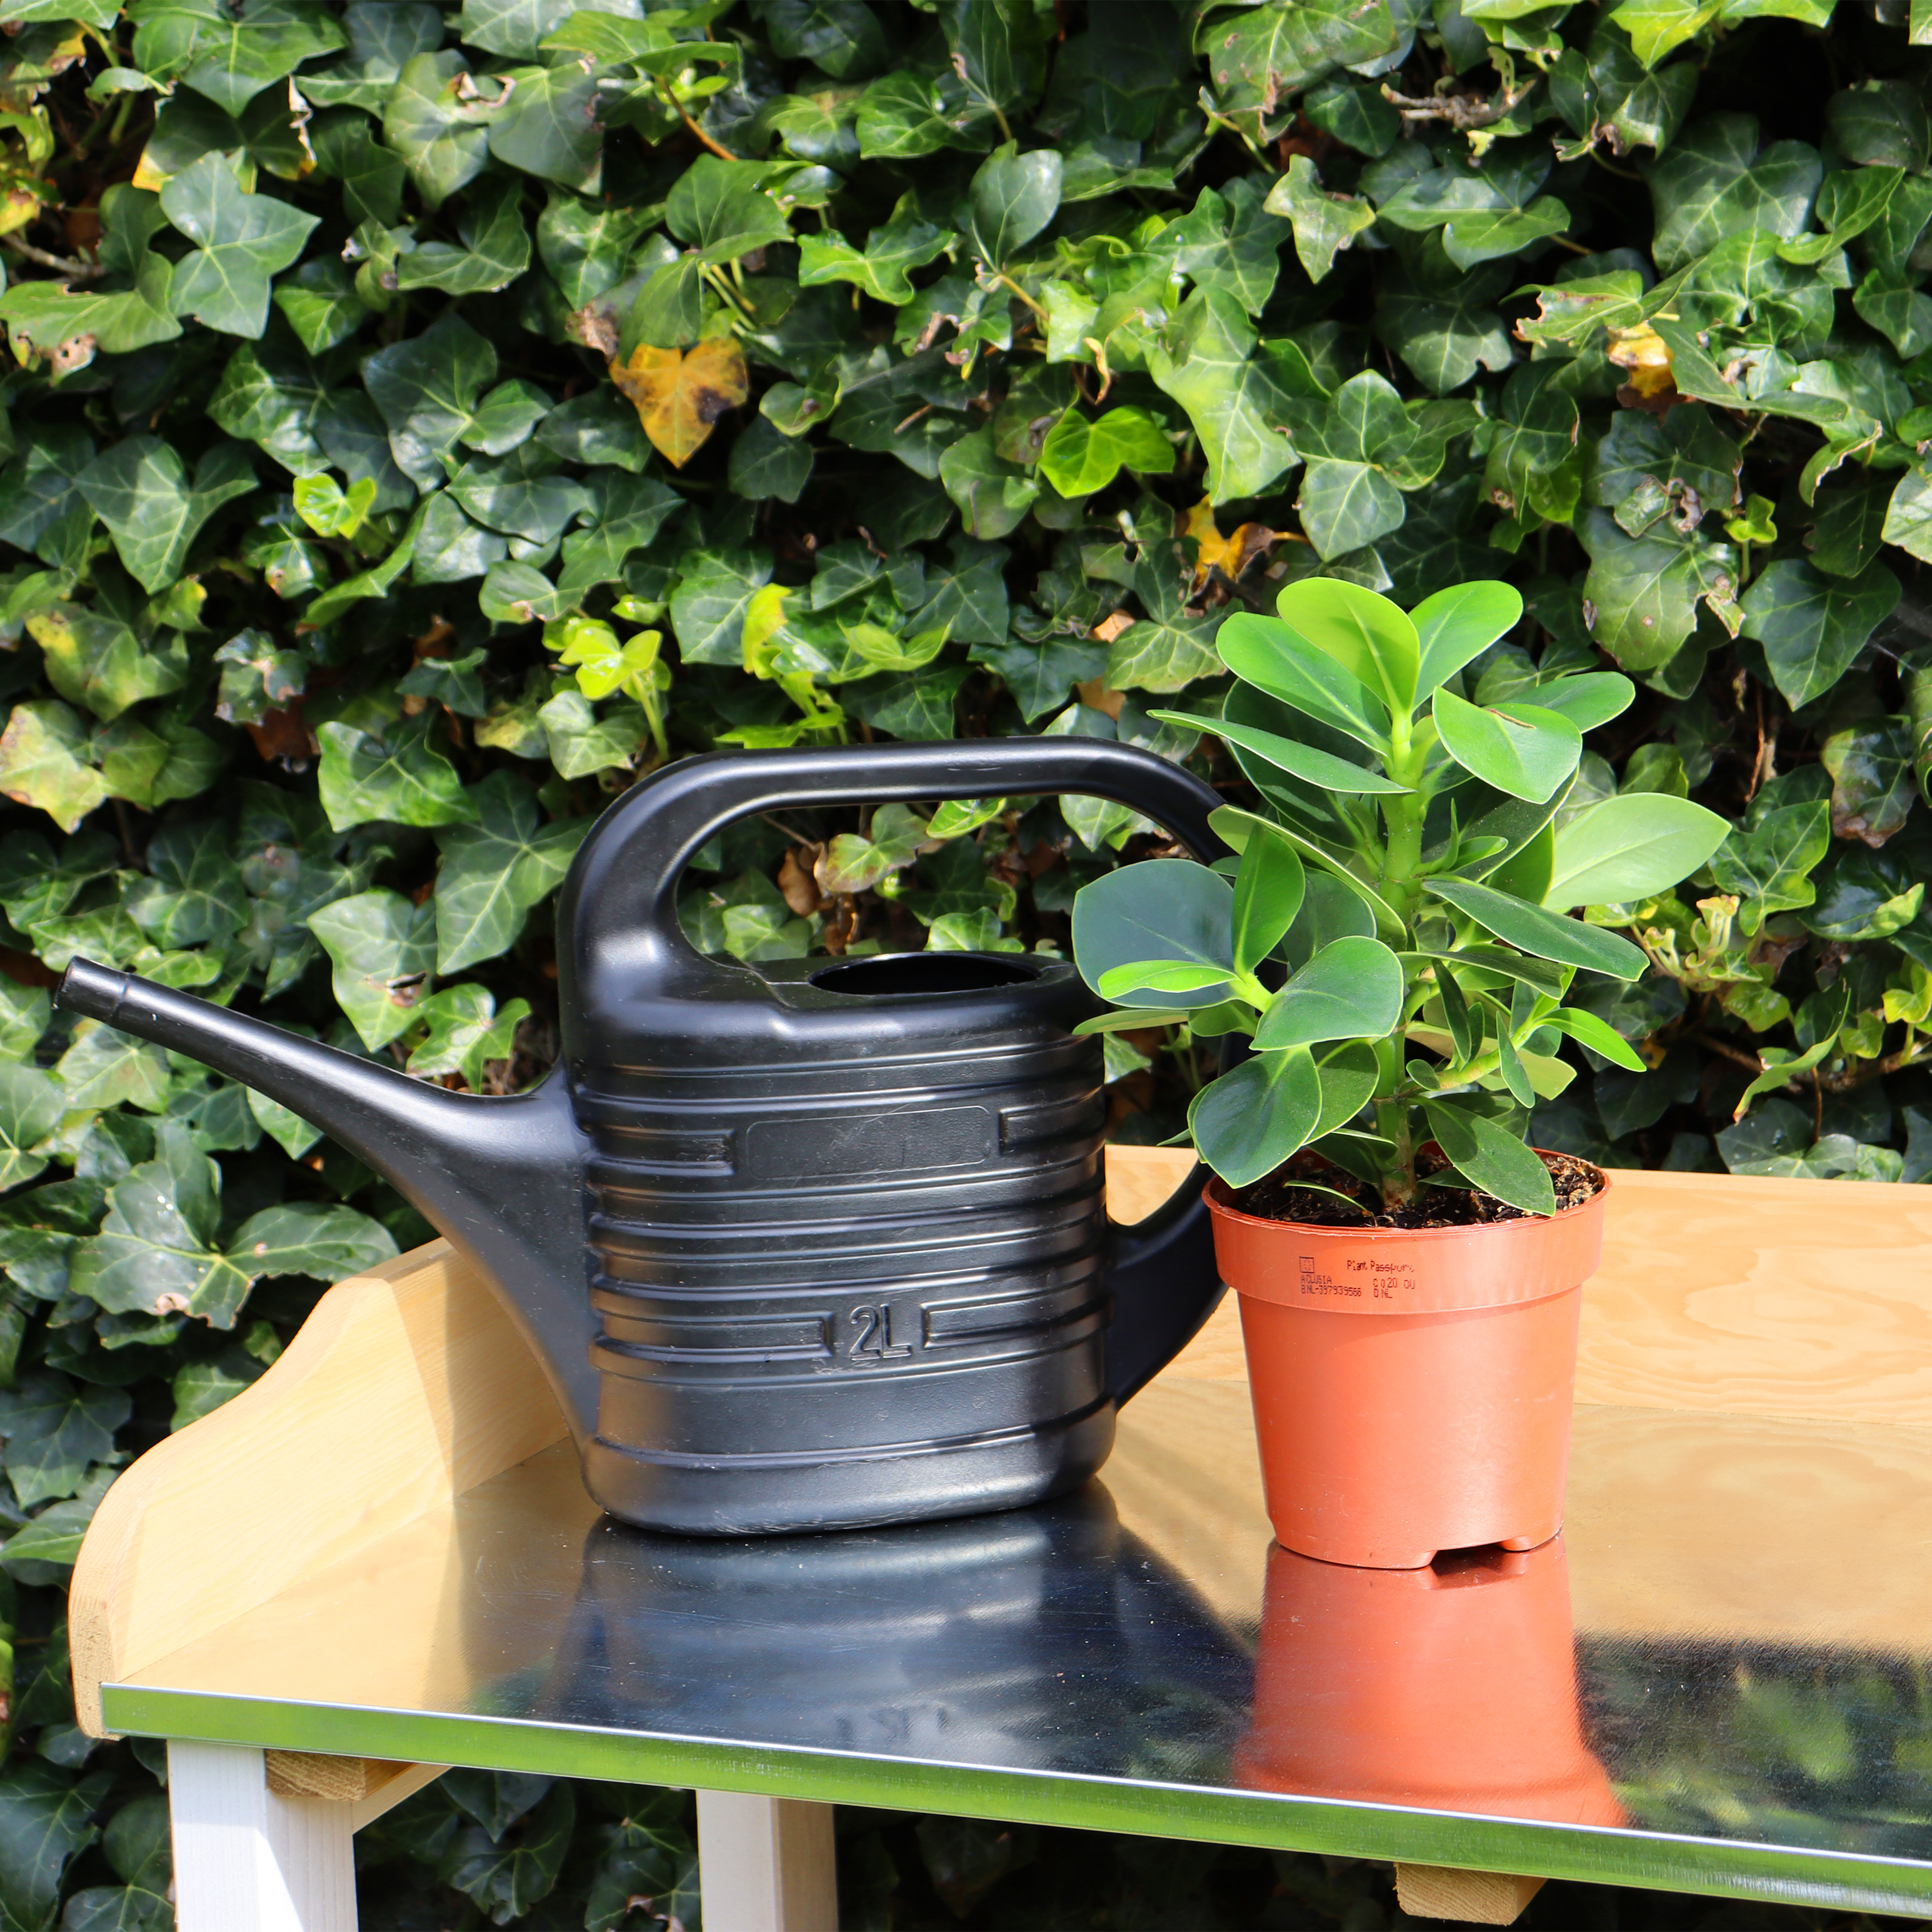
{"type": "Point", "coordinates": [621, 953]}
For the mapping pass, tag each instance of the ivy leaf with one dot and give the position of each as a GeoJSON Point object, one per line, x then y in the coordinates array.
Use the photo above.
{"type": "Point", "coordinates": [31, 1103]}
{"type": "Point", "coordinates": [1445, 334]}
{"type": "Point", "coordinates": [1078, 457]}
{"type": "Point", "coordinates": [714, 590]}
{"type": "Point", "coordinates": [965, 596]}
{"type": "Point", "coordinates": [1641, 595]}
{"type": "Point", "coordinates": [1772, 861]}
{"type": "Point", "coordinates": [46, 319]}
{"type": "Point", "coordinates": [724, 210]}
{"type": "Point", "coordinates": [520, 493]}
{"type": "Point", "coordinates": [1234, 397]}
{"type": "Point", "coordinates": [382, 949]}
{"type": "Point", "coordinates": [396, 776]}
{"type": "Point", "coordinates": [193, 894]}
{"type": "Point", "coordinates": [1481, 214]}
{"type": "Point", "coordinates": [428, 387]}
{"type": "Point", "coordinates": [1013, 196]}
{"type": "Point", "coordinates": [55, 1431]}
{"type": "Point", "coordinates": [1267, 54]}
{"type": "Point", "coordinates": [46, 1820]}
{"type": "Point", "coordinates": [549, 126]}
{"type": "Point", "coordinates": [1848, 530]}
{"type": "Point", "coordinates": [625, 514]}
{"type": "Point", "coordinates": [582, 742]}
{"type": "Point", "coordinates": [383, 34]}
{"type": "Point", "coordinates": [434, 118]}
{"type": "Point", "coordinates": [102, 1068]}
{"type": "Point", "coordinates": [496, 246]}
{"type": "Point", "coordinates": [1813, 626]}
{"type": "Point", "coordinates": [506, 1873]}
{"type": "Point", "coordinates": [94, 660]}
{"type": "Point", "coordinates": [1872, 787]}
{"type": "Point", "coordinates": [238, 53]}
{"type": "Point", "coordinates": [1325, 224]}
{"type": "Point", "coordinates": [494, 871]}
{"type": "Point", "coordinates": [43, 762]}
{"type": "Point", "coordinates": [245, 240]}
{"type": "Point", "coordinates": [139, 489]}
{"type": "Point", "coordinates": [680, 395]}
{"type": "Point", "coordinates": [1714, 182]}
{"type": "Point", "coordinates": [907, 242]}
{"type": "Point", "coordinates": [465, 1031]}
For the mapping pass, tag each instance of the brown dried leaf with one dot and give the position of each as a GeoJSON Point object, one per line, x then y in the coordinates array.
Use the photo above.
{"type": "Point", "coordinates": [679, 393]}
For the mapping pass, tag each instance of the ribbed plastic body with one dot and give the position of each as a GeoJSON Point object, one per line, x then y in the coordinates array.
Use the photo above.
{"type": "Point", "coordinates": [863, 1282]}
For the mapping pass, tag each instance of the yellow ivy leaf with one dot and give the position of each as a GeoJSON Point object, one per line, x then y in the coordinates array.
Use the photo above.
{"type": "Point", "coordinates": [1646, 355]}
{"type": "Point", "coordinates": [1232, 555]}
{"type": "Point", "coordinates": [679, 393]}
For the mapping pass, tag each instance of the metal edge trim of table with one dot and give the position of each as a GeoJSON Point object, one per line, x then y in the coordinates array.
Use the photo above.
{"type": "Point", "coordinates": [1594, 1855]}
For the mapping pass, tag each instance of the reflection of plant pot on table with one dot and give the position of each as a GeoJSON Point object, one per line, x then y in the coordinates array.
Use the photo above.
{"type": "Point", "coordinates": [1412, 1387]}
{"type": "Point", "coordinates": [1452, 1688]}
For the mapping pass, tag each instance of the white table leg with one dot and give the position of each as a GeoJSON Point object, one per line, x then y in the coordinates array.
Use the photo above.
{"type": "Point", "coordinates": [765, 1864]}
{"type": "Point", "coordinates": [248, 1860]}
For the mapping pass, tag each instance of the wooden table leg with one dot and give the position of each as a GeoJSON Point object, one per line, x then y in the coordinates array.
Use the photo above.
{"type": "Point", "coordinates": [249, 1859]}
{"type": "Point", "coordinates": [765, 1864]}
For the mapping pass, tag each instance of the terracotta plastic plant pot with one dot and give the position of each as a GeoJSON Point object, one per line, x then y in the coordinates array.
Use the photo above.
{"type": "Point", "coordinates": [1411, 1388]}
{"type": "Point", "coordinates": [1452, 1688]}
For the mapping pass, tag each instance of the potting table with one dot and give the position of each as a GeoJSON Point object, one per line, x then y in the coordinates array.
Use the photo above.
{"type": "Point", "coordinates": [378, 1562]}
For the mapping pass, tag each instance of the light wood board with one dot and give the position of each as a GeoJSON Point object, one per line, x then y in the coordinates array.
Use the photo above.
{"type": "Point", "coordinates": [409, 1386]}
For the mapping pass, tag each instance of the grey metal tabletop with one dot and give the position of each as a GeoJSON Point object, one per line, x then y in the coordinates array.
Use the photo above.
{"type": "Point", "coordinates": [1719, 1678]}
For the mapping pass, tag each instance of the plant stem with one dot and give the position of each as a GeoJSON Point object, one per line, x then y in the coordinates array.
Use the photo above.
{"type": "Point", "coordinates": [1398, 1177]}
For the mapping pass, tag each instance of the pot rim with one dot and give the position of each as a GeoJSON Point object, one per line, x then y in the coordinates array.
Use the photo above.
{"type": "Point", "coordinates": [1218, 1196]}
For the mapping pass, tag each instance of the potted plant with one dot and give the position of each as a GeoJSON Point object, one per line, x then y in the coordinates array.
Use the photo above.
{"type": "Point", "coordinates": [1393, 954]}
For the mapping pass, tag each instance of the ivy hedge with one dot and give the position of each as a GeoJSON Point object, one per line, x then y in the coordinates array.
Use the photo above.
{"type": "Point", "coordinates": [422, 422]}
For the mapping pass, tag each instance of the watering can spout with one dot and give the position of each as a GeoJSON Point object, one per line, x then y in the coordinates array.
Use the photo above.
{"type": "Point", "coordinates": [499, 1176]}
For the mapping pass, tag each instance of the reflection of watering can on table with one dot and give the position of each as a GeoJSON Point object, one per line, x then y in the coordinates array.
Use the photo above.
{"type": "Point", "coordinates": [802, 1244]}
{"type": "Point", "coordinates": [1048, 1639]}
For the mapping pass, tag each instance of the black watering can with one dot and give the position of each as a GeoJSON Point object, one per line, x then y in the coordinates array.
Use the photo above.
{"type": "Point", "coordinates": [807, 1244]}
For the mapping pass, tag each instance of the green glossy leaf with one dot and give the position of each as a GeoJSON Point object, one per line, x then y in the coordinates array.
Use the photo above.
{"type": "Point", "coordinates": [1373, 641]}
{"type": "Point", "coordinates": [1459, 624]}
{"type": "Point", "coordinates": [1519, 748]}
{"type": "Point", "coordinates": [1247, 1123]}
{"type": "Point", "coordinates": [1628, 847]}
{"type": "Point", "coordinates": [1542, 933]}
{"type": "Point", "coordinates": [1306, 761]}
{"type": "Point", "coordinates": [1172, 910]}
{"type": "Point", "coordinates": [1269, 889]}
{"type": "Point", "coordinates": [1492, 1157]}
{"type": "Point", "coordinates": [1351, 988]}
